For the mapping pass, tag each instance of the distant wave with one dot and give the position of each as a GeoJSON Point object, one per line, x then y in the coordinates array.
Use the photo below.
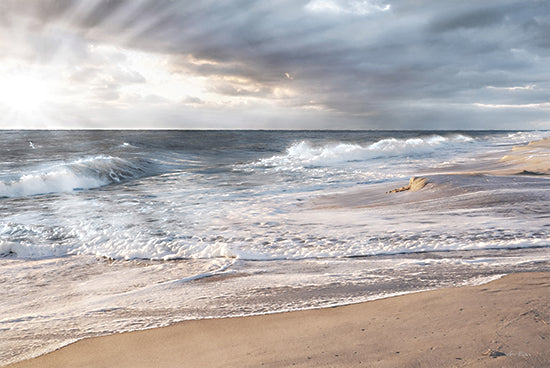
{"type": "Point", "coordinates": [84, 173]}
{"type": "Point", "coordinates": [304, 153]}
{"type": "Point", "coordinates": [520, 137]}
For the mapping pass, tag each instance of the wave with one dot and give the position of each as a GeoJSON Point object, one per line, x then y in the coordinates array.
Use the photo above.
{"type": "Point", "coordinates": [305, 153]}
{"type": "Point", "coordinates": [513, 138]}
{"type": "Point", "coordinates": [41, 242]}
{"type": "Point", "coordinates": [85, 173]}
{"type": "Point", "coordinates": [521, 137]}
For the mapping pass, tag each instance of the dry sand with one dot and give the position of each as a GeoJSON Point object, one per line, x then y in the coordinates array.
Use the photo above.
{"type": "Point", "coordinates": [527, 159]}
{"type": "Point", "coordinates": [505, 323]}
{"type": "Point", "coordinates": [415, 184]}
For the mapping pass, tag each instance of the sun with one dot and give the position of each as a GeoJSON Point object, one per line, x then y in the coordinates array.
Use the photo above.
{"type": "Point", "coordinates": [23, 93]}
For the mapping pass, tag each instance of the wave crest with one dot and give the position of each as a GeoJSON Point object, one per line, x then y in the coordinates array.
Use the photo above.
{"type": "Point", "coordinates": [305, 153]}
{"type": "Point", "coordinates": [86, 173]}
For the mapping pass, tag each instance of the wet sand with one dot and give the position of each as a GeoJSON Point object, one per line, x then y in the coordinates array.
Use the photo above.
{"type": "Point", "coordinates": [505, 323]}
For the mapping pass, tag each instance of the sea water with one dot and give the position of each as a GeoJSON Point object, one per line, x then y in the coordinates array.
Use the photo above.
{"type": "Point", "coordinates": [111, 231]}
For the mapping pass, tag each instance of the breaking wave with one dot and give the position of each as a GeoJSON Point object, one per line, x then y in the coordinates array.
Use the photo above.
{"type": "Point", "coordinates": [85, 173]}
{"type": "Point", "coordinates": [305, 153]}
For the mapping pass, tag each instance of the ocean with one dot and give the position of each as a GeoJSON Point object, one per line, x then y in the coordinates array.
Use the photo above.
{"type": "Point", "coordinates": [110, 231]}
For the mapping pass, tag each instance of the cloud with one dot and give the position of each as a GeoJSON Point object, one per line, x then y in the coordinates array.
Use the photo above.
{"type": "Point", "coordinates": [544, 105]}
{"type": "Point", "coordinates": [515, 88]}
{"type": "Point", "coordinates": [354, 7]}
{"type": "Point", "coordinates": [367, 64]}
{"type": "Point", "coordinates": [479, 17]}
{"type": "Point", "coordinates": [190, 100]}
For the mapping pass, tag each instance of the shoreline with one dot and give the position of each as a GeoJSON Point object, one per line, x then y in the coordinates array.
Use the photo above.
{"type": "Point", "coordinates": [503, 323]}
{"type": "Point", "coordinates": [395, 330]}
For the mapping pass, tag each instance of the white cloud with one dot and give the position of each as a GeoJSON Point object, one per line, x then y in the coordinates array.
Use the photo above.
{"type": "Point", "coordinates": [538, 106]}
{"type": "Point", "coordinates": [357, 7]}
{"type": "Point", "coordinates": [515, 88]}
{"type": "Point", "coordinates": [324, 6]}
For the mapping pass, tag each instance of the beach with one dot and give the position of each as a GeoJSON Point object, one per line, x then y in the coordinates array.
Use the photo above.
{"type": "Point", "coordinates": [238, 248]}
{"type": "Point", "coordinates": [504, 323]}
{"type": "Point", "coordinates": [316, 183]}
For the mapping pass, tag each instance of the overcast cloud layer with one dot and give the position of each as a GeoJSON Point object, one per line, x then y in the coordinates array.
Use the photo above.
{"type": "Point", "coordinates": [312, 64]}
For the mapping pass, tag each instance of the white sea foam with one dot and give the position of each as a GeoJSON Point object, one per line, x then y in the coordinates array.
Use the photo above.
{"type": "Point", "coordinates": [55, 180]}
{"type": "Point", "coordinates": [126, 145]}
{"type": "Point", "coordinates": [518, 138]}
{"type": "Point", "coordinates": [305, 153]}
{"type": "Point", "coordinates": [84, 173]}
{"type": "Point", "coordinates": [32, 251]}
{"type": "Point", "coordinates": [347, 236]}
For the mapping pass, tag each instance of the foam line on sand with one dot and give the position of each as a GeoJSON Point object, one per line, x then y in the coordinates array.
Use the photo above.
{"type": "Point", "coordinates": [505, 323]}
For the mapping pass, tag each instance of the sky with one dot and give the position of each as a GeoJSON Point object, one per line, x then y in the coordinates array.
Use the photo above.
{"type": "Point", "coordinates": [281, 64]}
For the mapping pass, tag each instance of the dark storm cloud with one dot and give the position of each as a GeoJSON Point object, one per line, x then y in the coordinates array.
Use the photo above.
{"type": "Point", "coordinates": [387, 63]}
{"type": "Point", "coordinates": [477, 18]}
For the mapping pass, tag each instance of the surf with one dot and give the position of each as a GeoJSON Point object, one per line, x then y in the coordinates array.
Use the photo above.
{"type": "Point", "coordinates": [306, 153]}
{"type": "Point", "coordinates": [69, 176]}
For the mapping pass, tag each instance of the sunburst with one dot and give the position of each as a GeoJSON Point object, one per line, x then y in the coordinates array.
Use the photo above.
{"type": "Point", "coordinates": [24, 92]}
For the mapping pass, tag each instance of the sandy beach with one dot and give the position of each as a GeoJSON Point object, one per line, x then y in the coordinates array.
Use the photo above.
{"type": "Point", "coordinates": [316, 183]}
{"type": "Point", "coordinates": [504, 323]}
{"type": "Point", "coordinates": [445, 228]}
